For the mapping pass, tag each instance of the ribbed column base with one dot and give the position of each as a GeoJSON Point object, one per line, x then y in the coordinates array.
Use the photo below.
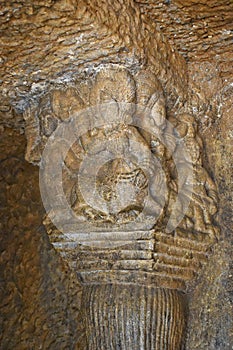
{"type": "Point", "coordinates": [120, 317]}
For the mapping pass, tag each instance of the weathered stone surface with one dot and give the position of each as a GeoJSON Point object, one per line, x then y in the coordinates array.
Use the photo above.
{"type": "Point", "coordinates": [211, 305]}
{"type": "Point", "coordinates": [39, 297]}
{"type": "Point", "coordinates": [200, 30]}
{"type": "Point", "coordinates": [62, 40]}
{"type": "Point", "coordinates": [174, 259]}
{"type": "Point", "coordinates": [155, 317]}
{"type": "Point", "coordinates": [38, 42]}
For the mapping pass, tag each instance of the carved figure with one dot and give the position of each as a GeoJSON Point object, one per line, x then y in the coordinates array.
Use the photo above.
{"type": "Point", "coordinates": [126, 142]}
{"type": "Point", "coordinates": [202, 191]}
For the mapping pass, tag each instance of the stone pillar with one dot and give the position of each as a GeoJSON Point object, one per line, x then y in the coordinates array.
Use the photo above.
{"type": "Point", "coordinates": [123, 317]}
{"type": "Point", "coordinates": [129, 204]}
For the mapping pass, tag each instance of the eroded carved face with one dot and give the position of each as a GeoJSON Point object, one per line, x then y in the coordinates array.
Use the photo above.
{"type": "Point", "coordinates": [130, 180]}
{"type": "Point", "coordinates": [65, 103]}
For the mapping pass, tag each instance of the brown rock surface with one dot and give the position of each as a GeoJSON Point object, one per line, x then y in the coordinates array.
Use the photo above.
{"type": "Point", "coordinates": [44, 44]}
{"type": "Point", "coordinates": [39, 296]}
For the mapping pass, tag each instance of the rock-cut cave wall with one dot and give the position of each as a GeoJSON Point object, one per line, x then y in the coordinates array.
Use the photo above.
{"type": "Point", "coordinates": [45, 44]}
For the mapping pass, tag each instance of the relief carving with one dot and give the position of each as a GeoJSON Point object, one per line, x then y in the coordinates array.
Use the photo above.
{"type": "Point", "coordinates": [143, 207]}
{"type": "Point", "coordinates": [198, 218]}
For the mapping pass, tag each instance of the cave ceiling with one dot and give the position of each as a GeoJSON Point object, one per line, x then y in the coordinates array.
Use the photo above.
{"type": "Point", "coordinates": [46, 42]}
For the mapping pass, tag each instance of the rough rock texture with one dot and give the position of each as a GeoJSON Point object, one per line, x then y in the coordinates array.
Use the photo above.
{"type": "Point", "coordinates": [211, 303]}
{"type": "Point", "coordinates": [39, 296]}
{"type": "Point", "coordinates": [199, 29]}
{"type": "Point", "coordinates": [65, 35]}
{"type": "Point", "coordinates": [43, 46]}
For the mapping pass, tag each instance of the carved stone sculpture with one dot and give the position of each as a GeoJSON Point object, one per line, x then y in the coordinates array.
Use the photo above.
{"type": "Point", "coordinates": [133, 256]}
